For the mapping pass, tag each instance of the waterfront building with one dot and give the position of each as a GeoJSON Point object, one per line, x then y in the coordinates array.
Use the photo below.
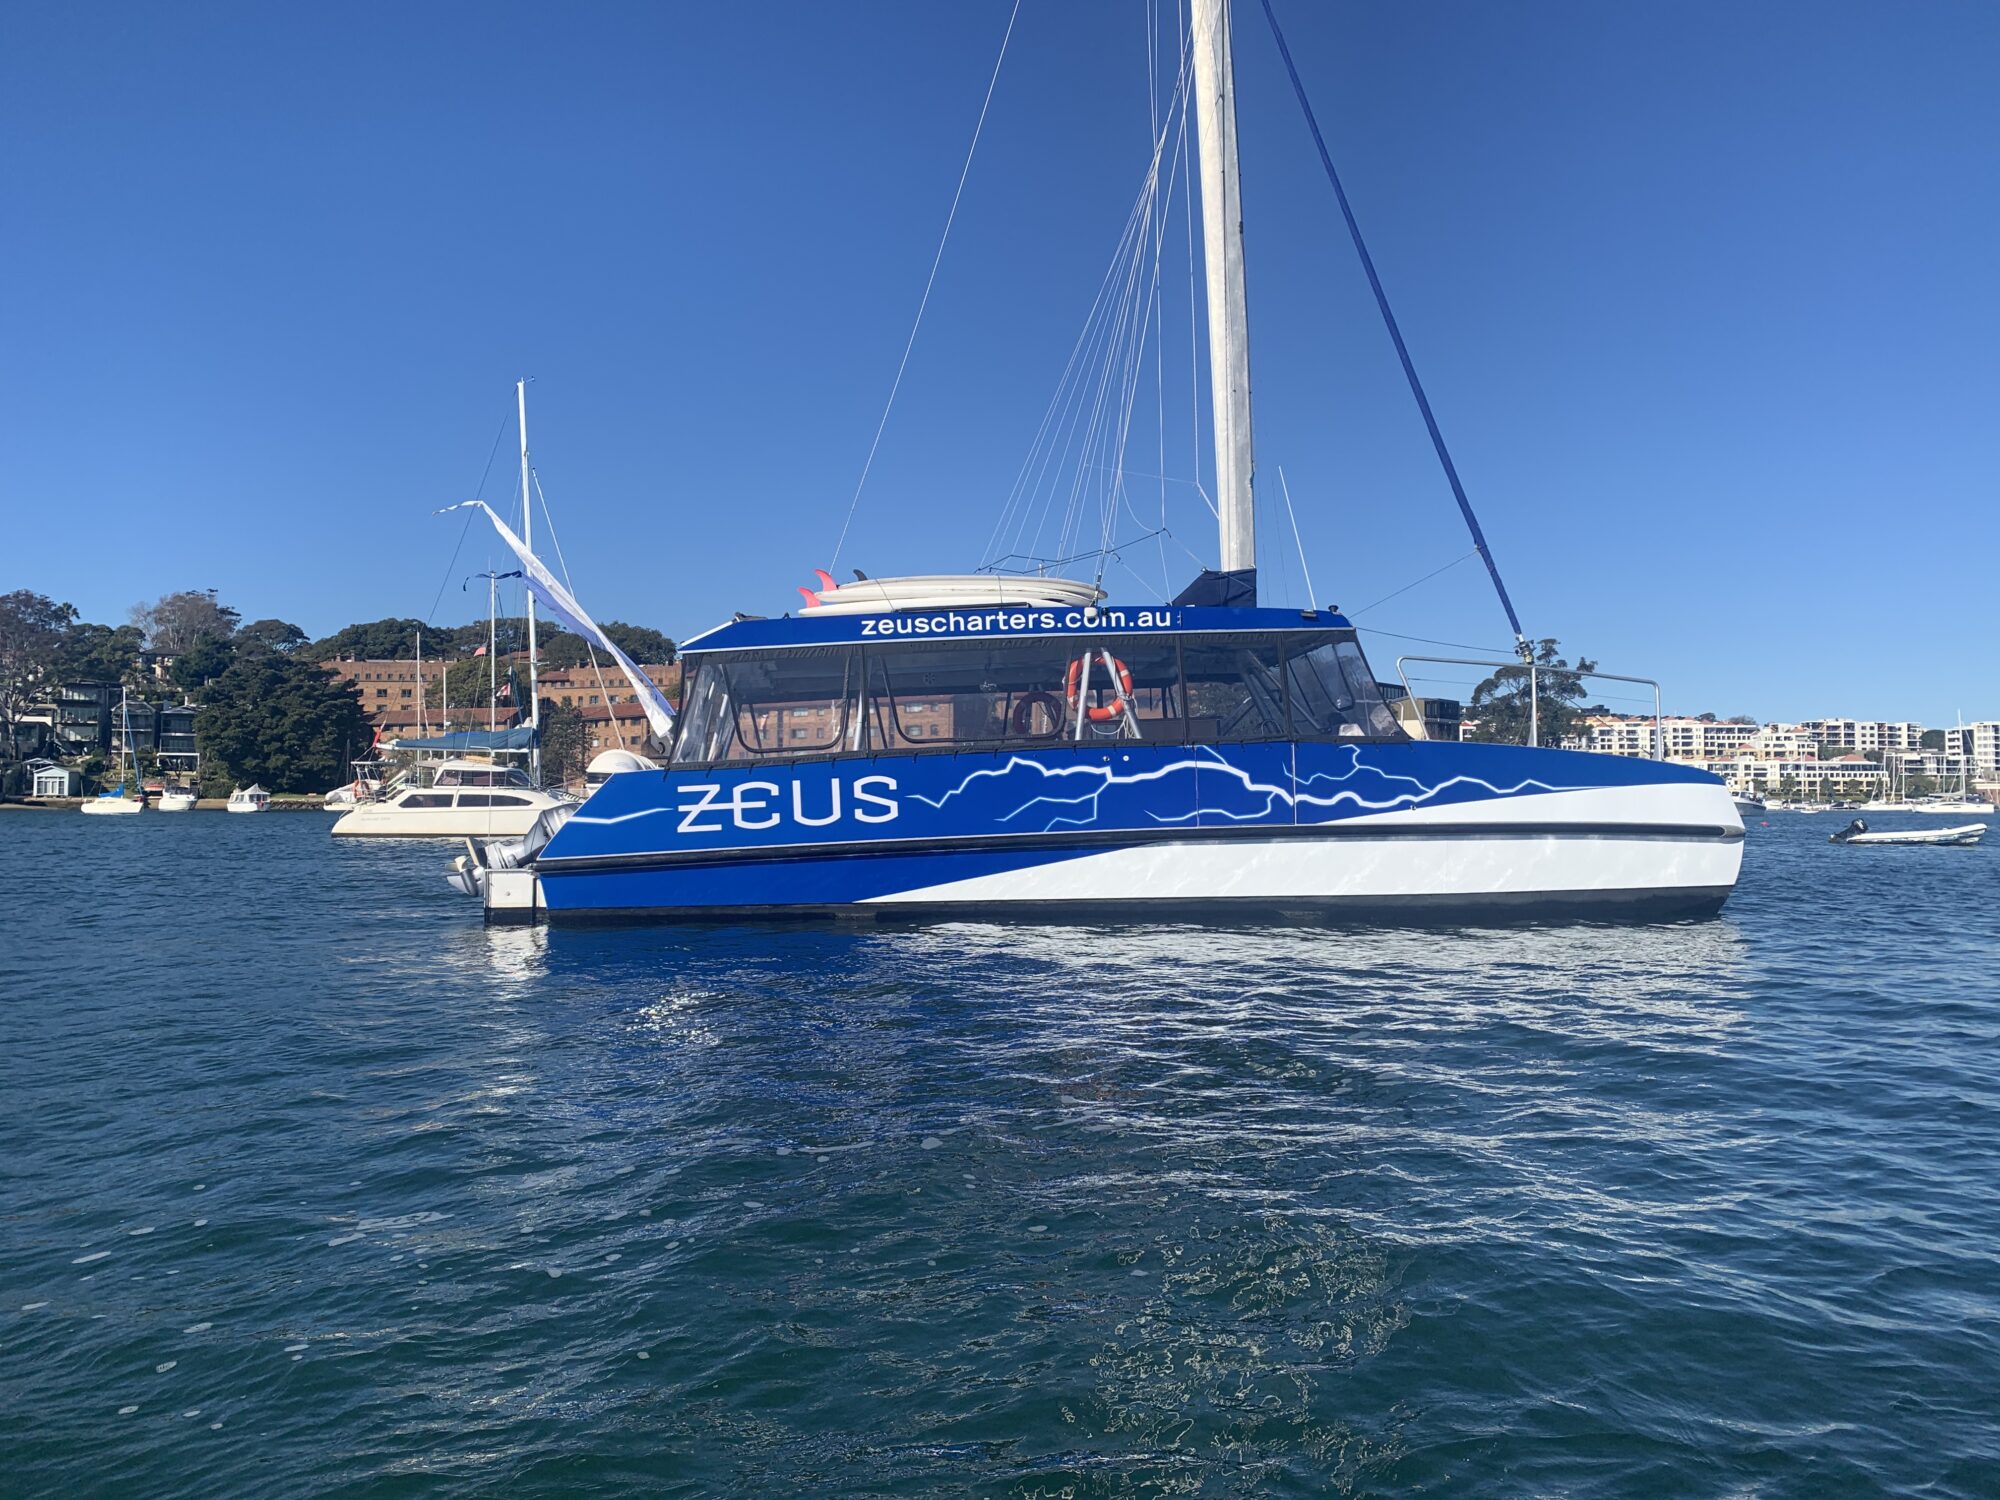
{"type": "Point", "coordinates": [1859, 736]}
{"type": "Point", "coordinates": [1979, 743]}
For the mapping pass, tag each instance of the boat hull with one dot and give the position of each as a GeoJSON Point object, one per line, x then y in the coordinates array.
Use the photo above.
{"type": "Point", "coordinates": [1417, 832]}
{"type": "Point", "coordinates": [111, 807]}
{"type": "Point", "coordinates": [386, 821]}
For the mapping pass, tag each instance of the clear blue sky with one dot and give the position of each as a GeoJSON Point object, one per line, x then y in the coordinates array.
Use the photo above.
{"type": "Point", "coordinates": [1705, 296]}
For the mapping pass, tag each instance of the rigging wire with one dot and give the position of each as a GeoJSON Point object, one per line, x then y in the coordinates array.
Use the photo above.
{"type": "Point", "coordinates": [563, 563]}
{"type": "Point", "coordinates": [1396, 335]}
{"type": "Point", "coordinates": [1312, 598]}
{"type": "Point", "coordinates": [929, 282]}
{"type": "Point", "coordinates": [1408, 586]}
{"type": "Point", "coordinates": [464, 530]}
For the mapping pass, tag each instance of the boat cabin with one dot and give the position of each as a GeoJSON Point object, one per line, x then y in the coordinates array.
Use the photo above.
{"type": "Point", "coordinates": [1010, 678]}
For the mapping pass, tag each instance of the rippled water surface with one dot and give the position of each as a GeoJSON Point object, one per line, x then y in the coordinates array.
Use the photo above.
{"type": "Point", "coordinates": [313, 1184]}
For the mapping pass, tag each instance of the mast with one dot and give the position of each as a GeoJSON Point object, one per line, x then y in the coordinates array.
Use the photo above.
{"type": "Point", "coordinates": [1222, 256]}
{"type": "Point", "coordinates": [492, 650]}
{"type": "Point", "coordinates": [528, 540]}
{"type": "Point", "coordinates": [422, 730]}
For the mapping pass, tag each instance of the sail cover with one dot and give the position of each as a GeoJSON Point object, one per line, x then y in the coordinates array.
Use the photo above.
{"type": "Point", "coordinates": [562, 604]}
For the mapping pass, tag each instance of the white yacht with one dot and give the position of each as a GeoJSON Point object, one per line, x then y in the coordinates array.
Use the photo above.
{"type": "Point", "coordinates": [249, 799]}
{"type": "Point", "coordinates": [177, 799]}
{"type": "Point", "coordinates": [466, 799]}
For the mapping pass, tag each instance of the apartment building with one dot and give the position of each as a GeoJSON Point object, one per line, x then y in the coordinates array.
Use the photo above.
{"type": "Point", "coordinates": [1859, 736]}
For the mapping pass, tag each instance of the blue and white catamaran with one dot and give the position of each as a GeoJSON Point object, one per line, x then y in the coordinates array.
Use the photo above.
{"type": "Point", "coordinates": [985, 746]}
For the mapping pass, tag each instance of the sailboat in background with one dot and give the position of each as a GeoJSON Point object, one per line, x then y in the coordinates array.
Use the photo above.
{"type": "Point", "coordinates": [114, 802]}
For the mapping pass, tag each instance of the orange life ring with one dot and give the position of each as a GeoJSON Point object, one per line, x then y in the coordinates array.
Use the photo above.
{"type": "Point", "coordinates": [1116, 707]}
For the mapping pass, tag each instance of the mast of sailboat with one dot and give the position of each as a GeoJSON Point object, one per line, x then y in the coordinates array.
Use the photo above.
{"type": "Point", "coordinates": [492, 650]}
{"type": "Point", "coordinates": [528, 540]}
{"type": "Point", "coordinates": [1222, 254]}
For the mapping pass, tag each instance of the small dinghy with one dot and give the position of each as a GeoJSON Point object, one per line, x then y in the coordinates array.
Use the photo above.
{"type": "Point", "coordinates": [1857, 833]}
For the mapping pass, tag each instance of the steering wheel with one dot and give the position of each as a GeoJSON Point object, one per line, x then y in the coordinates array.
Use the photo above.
{"type": "Point", "coordinates": [1024, 709]}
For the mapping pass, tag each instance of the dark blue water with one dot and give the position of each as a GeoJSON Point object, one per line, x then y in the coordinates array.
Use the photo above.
{"type": "Point", "coordinates": [312, 1184]}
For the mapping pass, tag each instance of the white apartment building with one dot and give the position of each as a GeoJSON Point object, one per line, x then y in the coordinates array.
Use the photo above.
{"type": "Point", "coordinates": [1852, 777]}
{"type": "Point", "coordinates": [1859, 736]}
{"type": "Point", "coordinates": [1980, 743]}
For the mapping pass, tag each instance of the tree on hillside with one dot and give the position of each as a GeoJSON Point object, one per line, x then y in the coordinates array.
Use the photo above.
{"type": "Point", "coordinates": [374, 640]}
{"type": "Point", "coordinates": [1931, 739]}
{"type": "Point", "coordinates": [201, 663]}
{"type": "Point", "coordinates": [31, 632]}
{"type": "Point", "coordinates": [174, 623]}
{"type": "Point", "coordinates": [640, 642]}
{"type": "Point", "coordinates": [565, 743]}
{"type": "Point", "coordinates": [279, 635]}
{"type": "Point", "coordinates": [98, 653]}
{"type": "Point", "coordinates": [1501, 703]}
{"type": "Point", "coordinates": [278, 721]}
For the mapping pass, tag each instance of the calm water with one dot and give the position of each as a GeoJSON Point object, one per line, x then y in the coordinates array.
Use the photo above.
{"type": "Point", "coordinates": [312, 1184]}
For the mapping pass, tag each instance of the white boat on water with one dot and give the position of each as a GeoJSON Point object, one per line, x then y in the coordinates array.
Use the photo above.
{"type": "Point", "coordinates": [1748, 802]}
{"type": "Point", "coordinates": [249, 799]}
{"type": "Point", "coordinates": [1858, 832]}
{"type": "Point", "coordinates": [466, 799]}
{"type": "Point", "coordinates": [178, 799]}
{"type": "Point", "coordinates": [115, 803]}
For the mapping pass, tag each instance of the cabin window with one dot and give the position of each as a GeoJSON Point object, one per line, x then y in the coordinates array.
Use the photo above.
{"type": "Point", "coordinates": [984, 693]}
{"type": "Point", "coordinates": [739, 706]}
{"type": "Point", "coordinates": [427, 799]}
{"type": "Point", "coordinates": [1333, 692]}
{"type": "Point", "coordinates": [1234, 690]}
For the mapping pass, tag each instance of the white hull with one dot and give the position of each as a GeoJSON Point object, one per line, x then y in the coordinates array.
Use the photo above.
{"type": "Point", "coordinates": [110, 807]}
{"type": "Point", "coordinates": [172, 802]}
{"type": "Point", "coordinates": [1971, 833]}
{"type": "Point", "coordinates": [383, 820]}
{"type": "Point", "coordinates": [1357, 870]}
{"type": "Point", "coordinates": [1972, 809]}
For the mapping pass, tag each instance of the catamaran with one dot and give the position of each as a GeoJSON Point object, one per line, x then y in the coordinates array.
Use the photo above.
{"type": "Point", "coordinates": [982, 745]}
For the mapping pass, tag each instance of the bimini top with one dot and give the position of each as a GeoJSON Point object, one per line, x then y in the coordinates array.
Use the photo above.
{"type": "Point", "coordinates": [986, 622]}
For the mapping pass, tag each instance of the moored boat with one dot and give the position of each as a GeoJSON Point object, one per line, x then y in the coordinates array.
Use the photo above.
{"type": "Point", "coordinates": [980, 746]}
{"type": "Point", "coordinates": [177, 799]}
{"type": "Point", "coordinates": [464, 799]}
{"type": "Point", "coordinates": [1858, 832]}
{"type": "Point", "coordinates": [249, 799]}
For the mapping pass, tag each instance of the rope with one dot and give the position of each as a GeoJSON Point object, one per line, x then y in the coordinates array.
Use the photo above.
{"type": "Point", "coordinates": [1396, 333]}
{"type": "Point", "coordinates": [929, 282]}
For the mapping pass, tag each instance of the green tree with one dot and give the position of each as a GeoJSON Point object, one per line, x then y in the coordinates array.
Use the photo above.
{"type": "Point", "coordinates": [98, 653]}
{"type": "Point", "coordinates": [640, 642]}
{"type": "Point", "coordinates": [376, 640]}
{"type": "Point", "coordinates": [201, 663]}
{"type": "Point", "coordinates": [565, 743]}
{"type": "Point", "coordinates": [1931, 739]}
{"type": "Point", "coordinates": [278, 635]}
{"type": "Point", "coordinates": [1501, 703]}
{"type": "Point", "coordinates": [31, 632]}
{"type": "Point", "coordinates": [174, 623]}
{"type": "Point", "coordinates": [280, 721]}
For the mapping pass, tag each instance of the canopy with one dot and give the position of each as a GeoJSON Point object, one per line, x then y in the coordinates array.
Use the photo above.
{"type": "Point", "coordinates": [519, 739]}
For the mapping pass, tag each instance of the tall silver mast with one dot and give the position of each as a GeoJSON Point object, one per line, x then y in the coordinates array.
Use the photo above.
{"type": "Point", "coordinates": [528, 539]}
{"type": "Point", "coordinates": [1222, 251]}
